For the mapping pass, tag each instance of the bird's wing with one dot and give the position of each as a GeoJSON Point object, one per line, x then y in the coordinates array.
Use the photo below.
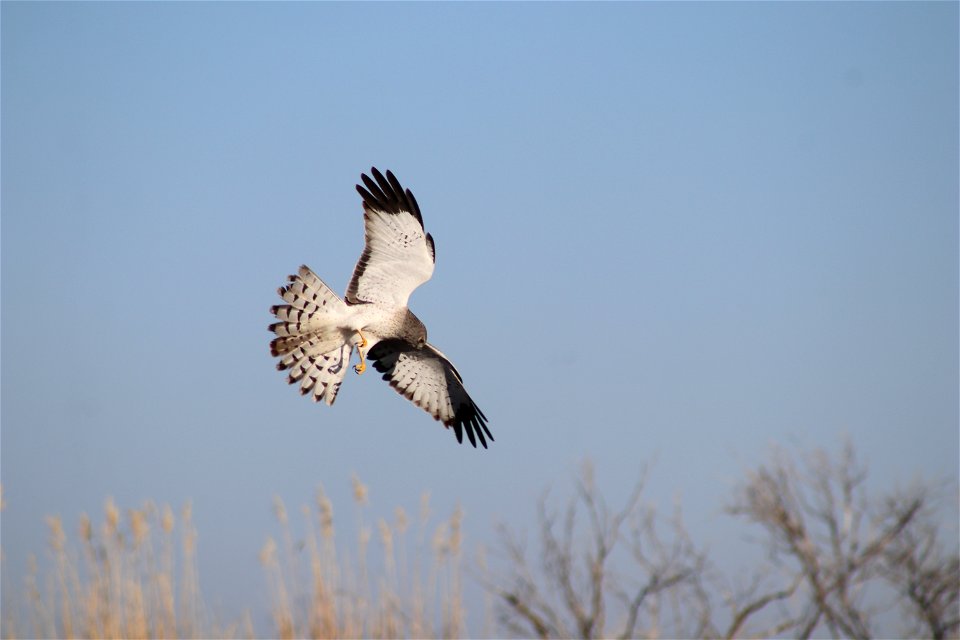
{"type": "Point", "coordinates": [398, 255]}
{"type": "Point", "coordinates": [426, 378]}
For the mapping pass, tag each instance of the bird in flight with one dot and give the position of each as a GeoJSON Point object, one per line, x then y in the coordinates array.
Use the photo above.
{"type": "Point", "coordinates": [316, 331]}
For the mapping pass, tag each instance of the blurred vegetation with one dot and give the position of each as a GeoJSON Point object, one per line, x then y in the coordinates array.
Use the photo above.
{"type": "Point", "coordinates": [132, 576]}
{"type": "Point", "coordinates": [832, 561]}
{"type": "Point", "coordinates": [135, 576]}
{"type": "Point", "coordinates": [331, 593]}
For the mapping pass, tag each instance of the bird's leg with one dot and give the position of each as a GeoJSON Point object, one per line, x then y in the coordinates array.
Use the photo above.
{"type": "Point", "coordinates": [360, 368]}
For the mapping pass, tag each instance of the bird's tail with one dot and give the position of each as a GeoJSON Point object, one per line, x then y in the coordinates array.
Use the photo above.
{"type": "Point", "coordinates": [309, 341]}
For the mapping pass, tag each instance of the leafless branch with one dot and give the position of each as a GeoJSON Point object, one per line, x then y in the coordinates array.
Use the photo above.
{"type": "Point", "coordinates": [816, 518]}
{"type": "Point", "coordinates": [834, 557]}
{"type": "Point", "coordinates": [587, 579]}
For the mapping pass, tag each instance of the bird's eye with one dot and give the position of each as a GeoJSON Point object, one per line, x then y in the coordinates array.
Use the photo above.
{"type": "Point", "coordinates": [422, 342]}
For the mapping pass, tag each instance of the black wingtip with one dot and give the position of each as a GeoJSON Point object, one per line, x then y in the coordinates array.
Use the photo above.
{"type": "Point", "coordinates": [469, 418]}
{"type": "Point", "coordinates": [379, 177]}
{"type": "Point", "coordinates": [414, 207]}
{"type": "Point", "coordinates": [385, 193]}
{"type": "Point", "coordinates": [372, 195]}
{"type": "Point", "coordinates": [469, 431]}
{"type": "Point", "coordinates": [489, 435]}
{"type": "Point", "coordinates": [433, 249]}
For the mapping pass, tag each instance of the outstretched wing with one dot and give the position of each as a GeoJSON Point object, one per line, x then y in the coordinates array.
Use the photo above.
{"type": "Point", "coordinates": [425, 377]}
{"type": "Point", "coordinates": [398, 256]}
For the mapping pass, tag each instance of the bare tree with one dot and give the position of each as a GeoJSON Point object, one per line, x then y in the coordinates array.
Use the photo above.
{"type": "Point", "coordinates": [846, 553]}
{"type": "Point", "coordinates": [613, 575]}
{"type": "Point", "coordinates": [925, 577]}
{"type": "Point", "coordinates": [836, 562]}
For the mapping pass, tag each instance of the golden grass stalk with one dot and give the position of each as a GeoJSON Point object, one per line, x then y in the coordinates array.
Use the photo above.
{"type": "Point", "coordinates": [343, 599]}
{"type": "Point", "coordinates": [135, 576]}
{"type": "Point", "coordinates": [112, 583]}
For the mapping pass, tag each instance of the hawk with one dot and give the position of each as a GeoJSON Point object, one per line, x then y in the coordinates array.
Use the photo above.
{"type": "Point", "coordinates": [317, 331]}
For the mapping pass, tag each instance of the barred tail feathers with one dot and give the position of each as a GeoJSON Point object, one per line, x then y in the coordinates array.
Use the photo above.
{"type": "Point", "coordinates": [309, 343]}
{"type": "Point", "coordinates": [310, 304]}
{"type": "Point", "coordinates": [307, 296]}
{"type": "Point", "coordinates": [318, 372]}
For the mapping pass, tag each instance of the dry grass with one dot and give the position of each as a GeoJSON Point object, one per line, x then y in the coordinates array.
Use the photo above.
{"type": "Point", "coordinates": [134, 575]}
{"type": "Point", "coordinates": [320, 592]}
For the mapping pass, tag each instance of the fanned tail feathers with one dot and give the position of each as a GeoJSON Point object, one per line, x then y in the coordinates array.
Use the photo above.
{"type": "Point", "coordinates": [308, 344]}
{"type": "Point", "coordinates": [319, 373]}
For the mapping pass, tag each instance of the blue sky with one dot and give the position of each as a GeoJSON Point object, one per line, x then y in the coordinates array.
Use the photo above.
{"type": "Point", "coordinates": [681, 232]}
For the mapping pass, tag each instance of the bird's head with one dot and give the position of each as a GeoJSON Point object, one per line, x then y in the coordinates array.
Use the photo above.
{"type": "Point", "coordinates": [413, 331]}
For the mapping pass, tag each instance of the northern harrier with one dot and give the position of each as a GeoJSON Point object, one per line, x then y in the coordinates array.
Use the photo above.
{"type": "Point", "coordinates": [317, 331]}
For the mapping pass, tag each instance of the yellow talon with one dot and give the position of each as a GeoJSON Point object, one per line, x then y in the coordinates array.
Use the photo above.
{"type": "Point", "coordinates": [360, 368]}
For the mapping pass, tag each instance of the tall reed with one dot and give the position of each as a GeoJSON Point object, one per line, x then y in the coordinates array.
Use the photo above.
{"type": "Point", "coordinates": [321, 591]}
{"type": "Point", "coordinates": [134, 575]}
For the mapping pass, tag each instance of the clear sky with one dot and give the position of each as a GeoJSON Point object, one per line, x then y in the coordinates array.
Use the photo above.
{"type": "Point", "coordinates": [681, 232]}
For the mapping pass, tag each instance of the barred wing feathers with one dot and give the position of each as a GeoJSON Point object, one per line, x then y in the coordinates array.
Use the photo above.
{"type": "Point", "coordinates": [426, 378]}
{"type": "Point", "coordinates": [398, 256]}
